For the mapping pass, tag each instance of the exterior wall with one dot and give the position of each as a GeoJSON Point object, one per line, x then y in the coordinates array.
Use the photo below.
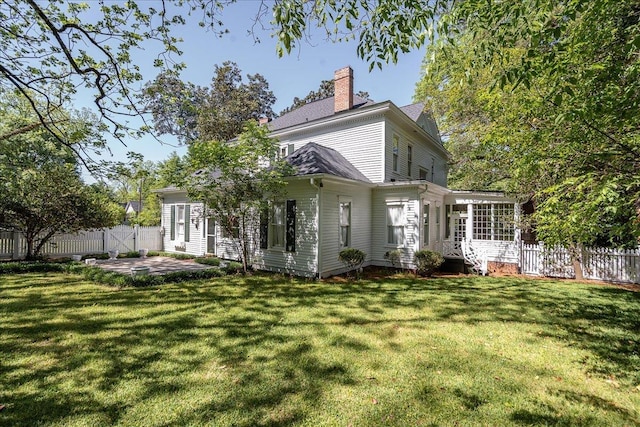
{"type": "Point", "coordinates": [425, 152]}
{"type": "Point", "coordinates": [409, 198]}
{"type": "Point", "coordinates": [361, 225]}
{"type": "Point", "coordinates": [359, 141]}
{"type": "Point", "coordinates": [196, 244]}
{"type": "Point", "coordinates": [302, 262]}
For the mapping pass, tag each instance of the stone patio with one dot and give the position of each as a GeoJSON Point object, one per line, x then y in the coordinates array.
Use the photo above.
{"type": "Point", "coordinates": [156, 264]}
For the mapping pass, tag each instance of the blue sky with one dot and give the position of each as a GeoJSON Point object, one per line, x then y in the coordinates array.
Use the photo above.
{"type": "Point", "coordinates": [288, 77]}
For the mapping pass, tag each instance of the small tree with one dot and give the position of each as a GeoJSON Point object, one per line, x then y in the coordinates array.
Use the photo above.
{"type": "Point", "coordinates": [352, 258]}
{"type": "Point", "coordinates": [427, 262]}
{"type": "Point", "coordinates": [235, 181]}
{"type": "Point", "coordinates": [41, 191]}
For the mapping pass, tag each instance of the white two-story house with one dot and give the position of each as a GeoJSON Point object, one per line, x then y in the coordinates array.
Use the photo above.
{"type": "Point", "coordinates": [369, 175]}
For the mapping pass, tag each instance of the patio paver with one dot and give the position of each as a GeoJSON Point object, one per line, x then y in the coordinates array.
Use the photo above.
{"type": "Point", "coordinates": [156, 264]}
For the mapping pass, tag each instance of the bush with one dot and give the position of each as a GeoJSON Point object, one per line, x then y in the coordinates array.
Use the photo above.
{"type": "Point", "coordinates": [175, 255]}
{"type": "Point", "coordinates": [352, 258]}
{"type": "Point", "coordinates": [427, 262]}
{"type": "Point", "coordinates": [16, 267]}
{"type": "Point", "coordinates": [213, 261]}
{"type": "Point", "coordinates": [130, 254]}
{"type": "Point", "coordinates": [233, 268]}
{"type": "Point", "coordinates": [394, 257]}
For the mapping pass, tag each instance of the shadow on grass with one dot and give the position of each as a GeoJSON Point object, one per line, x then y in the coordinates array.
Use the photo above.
{"type": "Point", "coordinates": [157, 337]}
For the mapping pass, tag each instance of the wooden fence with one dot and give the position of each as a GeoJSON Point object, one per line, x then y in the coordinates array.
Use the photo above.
{"type": "Point", "coordinates": [124, 238]}
{"type": "Point", "coordinates": [610, 265]}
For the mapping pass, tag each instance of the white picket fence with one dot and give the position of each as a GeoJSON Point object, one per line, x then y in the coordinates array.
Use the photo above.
{"type": "Point", "coordinates": [611, 265]}
{"type": "Point", "coordinates": [124, 238]}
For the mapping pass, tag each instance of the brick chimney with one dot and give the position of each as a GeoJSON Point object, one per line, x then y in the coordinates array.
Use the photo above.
{"type": "Point", "coordinates": [343, 89]}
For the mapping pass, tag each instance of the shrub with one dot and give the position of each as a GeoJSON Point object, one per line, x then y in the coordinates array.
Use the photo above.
{"type": "Point", "coordinates": [208, 261]}
{"type": "Point", "coordinates": [427, 262]}
{"type": "Point", "coordinates": [352, 258]}
{"type": "Point", "coordinates": [175, 255]}
{"type": "Point", "coordinates": [394, 257]}
{"type": "Point", "coordinates": [233, 268]}
{"type": "Point", "coordinates": [31, 267]}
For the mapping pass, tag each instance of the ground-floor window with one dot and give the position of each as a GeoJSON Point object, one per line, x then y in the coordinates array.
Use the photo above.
{"type": "Point", "coordinates": [425, 224]}
{"type": "Point", "coordinates": [395, 225]}
{"type": "Point", "coordinates": [494, 221]}
{"type": "Point", "coordinates": [278, 226]}
{"type": "Point", "coordinates": [345, 223]}
{"type": "Point", "coordinates": [179, 226]}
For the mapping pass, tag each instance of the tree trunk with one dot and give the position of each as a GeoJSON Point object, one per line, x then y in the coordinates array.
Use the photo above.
{"type": "Point", "coordinates": [575, 251]}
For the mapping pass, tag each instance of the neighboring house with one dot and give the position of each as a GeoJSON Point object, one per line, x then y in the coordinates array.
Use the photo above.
{"type": "Point", "coordinates": [131, 209]}
{"type": "Point", "coordinates": [369, 175]}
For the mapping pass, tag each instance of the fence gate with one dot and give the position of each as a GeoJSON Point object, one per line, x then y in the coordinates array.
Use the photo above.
{"type": "Point", "coordinates": [122, 238]}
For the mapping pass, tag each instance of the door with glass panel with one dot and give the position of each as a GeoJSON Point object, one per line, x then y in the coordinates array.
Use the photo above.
{"type": "Point", "coordinates": [211, 236]}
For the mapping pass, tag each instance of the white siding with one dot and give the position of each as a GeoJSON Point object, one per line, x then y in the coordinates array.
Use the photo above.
{"type": "Point", "coordinates": [424, 151]}
{"type": "Point", "coordinates": [302, 262]}
{"type": "Point", "coordinates": [410, 199]}
{"type": "Point", "coordinates": [196, 244]}
{"type": "Point", "coordinates": [359, 142]}
{"type": "Point", "coordinates": [330, 228]}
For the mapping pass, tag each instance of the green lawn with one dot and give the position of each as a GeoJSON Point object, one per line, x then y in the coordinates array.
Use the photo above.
{"type": "Point", "coordinates": [269, 351]}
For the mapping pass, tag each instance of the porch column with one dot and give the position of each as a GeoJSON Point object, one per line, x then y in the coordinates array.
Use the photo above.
{"type": "Point", "coordinates": [469, 222]}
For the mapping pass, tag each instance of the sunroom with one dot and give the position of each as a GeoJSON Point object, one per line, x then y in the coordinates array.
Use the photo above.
{"type": "Point", "coordinates": [481, 228]}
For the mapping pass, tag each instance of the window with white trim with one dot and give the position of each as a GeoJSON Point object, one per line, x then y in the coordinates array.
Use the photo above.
{"type": "Point", "coordinates": [277, 225]}
{"type": "Point", "coordinates": [345, 222]}
{"type": "Point", "coordinates": [180, 224]}
{"type": "Point", "coordinates": [438, 237]}
{"type": "Point", "coordinates": [395, 152]}
{"type": "Point", "coordinates": [395, 225]}
{"type": "Point", "coordinates": [422, 174]}
{"type": "Point", "coordinates": [493, 221]}
{"type": "Point", "coordinates": [425, 224]}
{"type": "Point", "coordinates": [409, 159]}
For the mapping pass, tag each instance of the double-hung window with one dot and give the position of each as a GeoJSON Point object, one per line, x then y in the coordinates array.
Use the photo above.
{"type": "Point", "coordinates": [395, 225]}
{"type": "Point", "coordinates": [345, 223]}
{"type": "Point", "coordinates": [425, 224]}
{"type": "Point", "coordinates": [409, 159]}
{"type": "Point", "coordinates": [395, 152]}
{"type": "Point", "coordinates": [179, 223]}
{"type": "Point", "coordinates": [277, 225]}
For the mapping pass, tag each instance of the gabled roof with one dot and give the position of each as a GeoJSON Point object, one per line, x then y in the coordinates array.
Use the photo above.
{"type": "Point", "coordinates": [413, 110]}
{"type": "Point", "coordinates": [314, 158]}
{"type": "Point", "coordinates": [133, 204]}
{"type": "Point", "coordinates": [313, 111]}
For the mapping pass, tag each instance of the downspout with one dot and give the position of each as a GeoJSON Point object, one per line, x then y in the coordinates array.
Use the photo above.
{"type": "Point", "coordinates": [318, 188]}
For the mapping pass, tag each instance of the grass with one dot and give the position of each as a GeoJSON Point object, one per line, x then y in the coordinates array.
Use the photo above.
{"type": "Point", "coordinates": [272, 351]}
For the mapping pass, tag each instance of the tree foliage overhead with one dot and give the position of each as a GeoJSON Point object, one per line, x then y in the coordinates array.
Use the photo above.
{"type": "Point", "coordinates": [538, 98]}
{"type": "Point", "coordinates": [216, 113]}
{"type": "Point", "coordinates": [51, 50]}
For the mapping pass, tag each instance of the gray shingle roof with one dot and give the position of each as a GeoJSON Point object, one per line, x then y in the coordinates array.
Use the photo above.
{"type": "Point", "coordinates": [314, 158]}
{"type": "Point", "coordinates": [413, 110]}
{"type": "Point", "coordinates": [313, 111]}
